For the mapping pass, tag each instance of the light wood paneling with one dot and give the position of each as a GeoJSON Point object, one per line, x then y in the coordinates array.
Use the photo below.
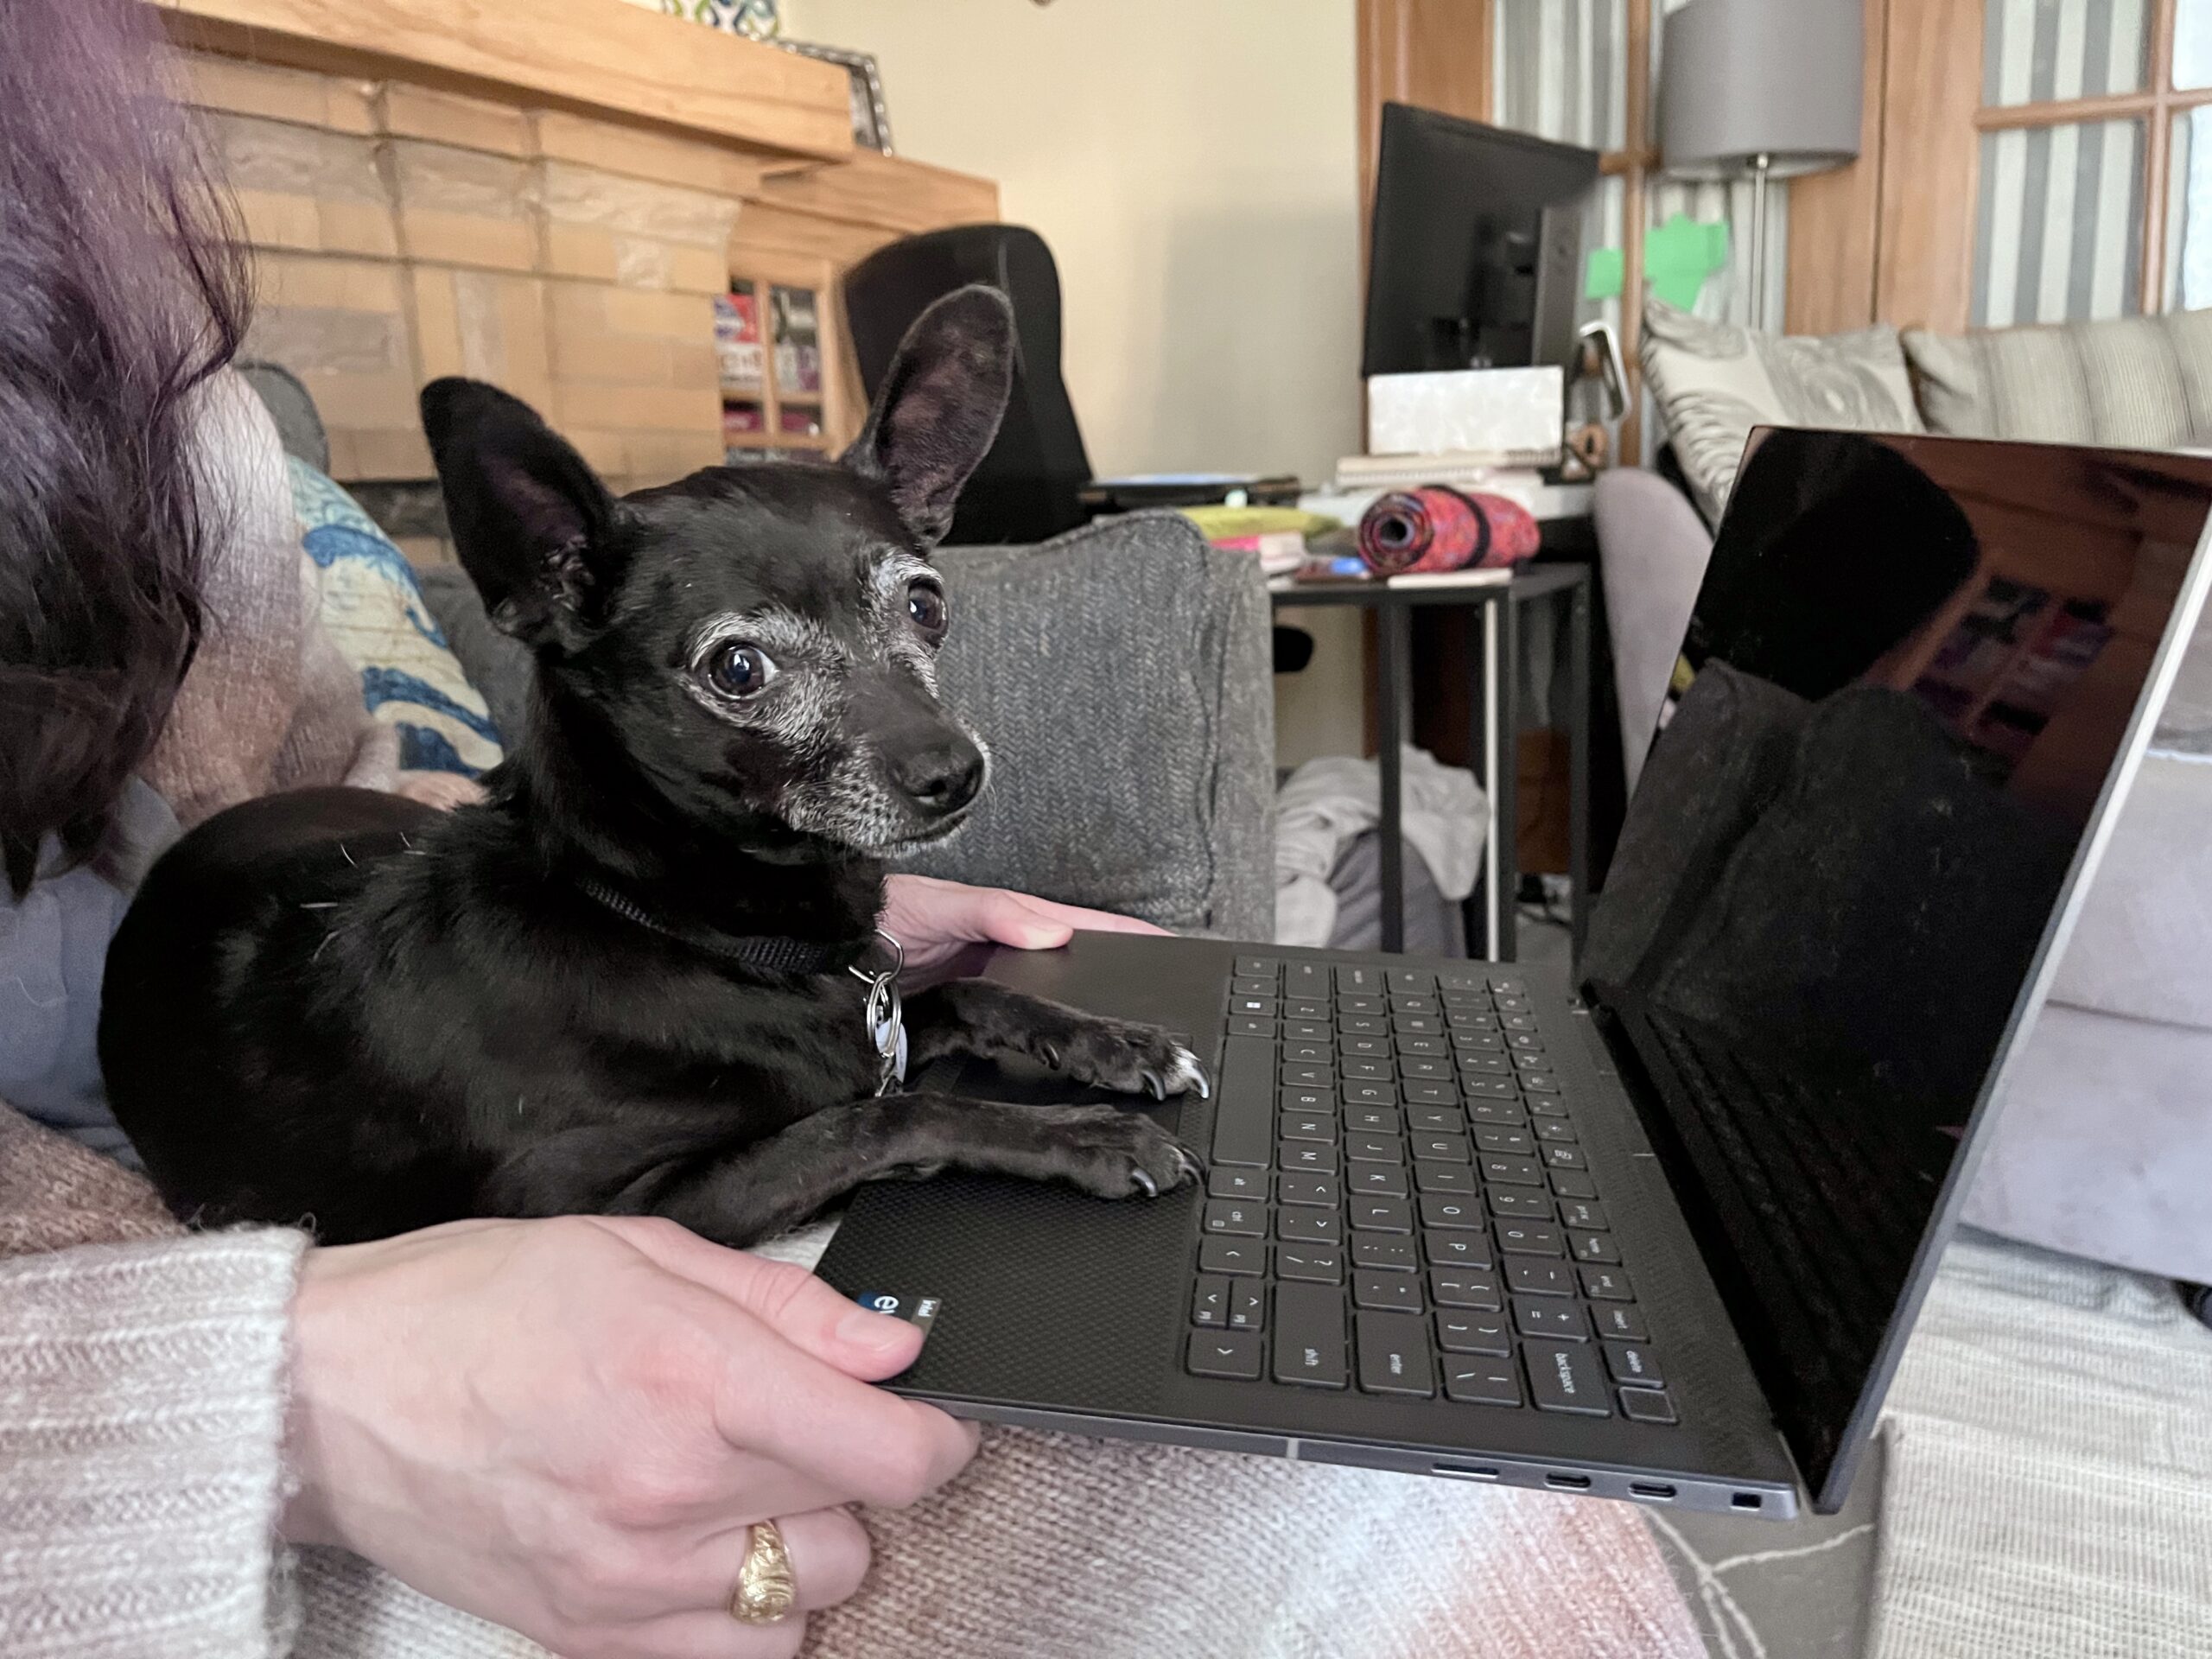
{"type": "Point", "coordinates": [1834, 218]}
{"type": "Point", "coordinates": [888, 191]}
{"type": "Point", "coordinates": [1432, 52]}
{"type": "Point", "coordinates": [1931, 163]}
{"type": "Point", "coordinates": [601, 55]}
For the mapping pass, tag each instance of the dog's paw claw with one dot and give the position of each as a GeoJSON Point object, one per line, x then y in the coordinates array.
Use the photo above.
{"type": "Point", "coordinates": [1144, 1184]}
{"type": "Point", "coordinates": [1050, 1053]}
{"type": "Point", "coordinates": [1155, 1085]}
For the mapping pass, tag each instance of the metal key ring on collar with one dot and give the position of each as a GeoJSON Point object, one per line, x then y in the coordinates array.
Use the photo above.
{"type": "Point", "coordinates": [898, 962]}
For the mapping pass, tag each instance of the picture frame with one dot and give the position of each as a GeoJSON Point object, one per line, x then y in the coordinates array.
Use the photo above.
{"type": "Point", "coordinates": [871, 121]}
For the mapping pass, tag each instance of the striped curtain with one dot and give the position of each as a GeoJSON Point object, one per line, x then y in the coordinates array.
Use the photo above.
{"type": "Point", "coordinates": [2058, 232]}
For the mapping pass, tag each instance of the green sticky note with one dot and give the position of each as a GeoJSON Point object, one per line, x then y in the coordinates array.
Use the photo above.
{"type": "Point", "coordinates": [1680, 254]}
{"type": "Point", "coordinates": [1603, 275]}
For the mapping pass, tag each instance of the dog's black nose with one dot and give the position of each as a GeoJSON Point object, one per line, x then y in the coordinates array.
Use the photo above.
{"type": "Point", "coordinates": [942, 776]}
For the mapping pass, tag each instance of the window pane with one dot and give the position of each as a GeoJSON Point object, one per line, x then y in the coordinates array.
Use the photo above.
{"type": "Point", "coordinates": [2059, 228]}
{"type": "Point", "coordinates": [2188, 212]}
{"type": "Point", "coordinates": [2192, 44]}
{"type": "Point", "coordinates": [1562, 70]}
{"type": "Point", "coordinates": [2034, 51]}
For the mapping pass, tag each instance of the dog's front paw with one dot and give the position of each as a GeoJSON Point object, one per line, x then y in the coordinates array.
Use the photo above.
{"type": "Point", "coordinates": [1116, 1154]}
{"type": "Point", "coordinates": [1121, 1055]}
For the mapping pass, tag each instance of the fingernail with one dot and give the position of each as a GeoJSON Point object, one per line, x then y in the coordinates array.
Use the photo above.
{"type": "Point", "coordinates": [874, 1331]}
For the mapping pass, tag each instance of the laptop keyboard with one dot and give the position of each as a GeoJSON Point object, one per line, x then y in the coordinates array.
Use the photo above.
{"type": "Point", "coordinates": [1398, 1202]}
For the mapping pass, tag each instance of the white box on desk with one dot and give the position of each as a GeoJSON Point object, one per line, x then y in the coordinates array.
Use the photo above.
{"type": "Point", "coordinates": [1515, 415]}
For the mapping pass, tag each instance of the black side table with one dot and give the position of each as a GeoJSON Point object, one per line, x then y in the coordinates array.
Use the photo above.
{"type": "Point", "coordinates": [1493, 701]}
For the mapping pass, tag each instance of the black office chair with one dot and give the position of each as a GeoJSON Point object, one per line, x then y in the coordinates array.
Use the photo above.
{"type": "Point", "coordinates": [1025, 489]}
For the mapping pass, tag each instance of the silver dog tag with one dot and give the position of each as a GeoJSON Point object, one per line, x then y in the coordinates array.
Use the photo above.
{"type": "Point", "coordinates": [881, 1019]}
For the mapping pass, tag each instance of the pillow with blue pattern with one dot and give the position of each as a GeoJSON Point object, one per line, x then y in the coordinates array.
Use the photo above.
{"type": "Point", "coordinates": [372, 607]}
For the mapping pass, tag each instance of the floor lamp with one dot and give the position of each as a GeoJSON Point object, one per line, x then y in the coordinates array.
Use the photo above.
{"type": "Point", "coordinates": [1763, 90]}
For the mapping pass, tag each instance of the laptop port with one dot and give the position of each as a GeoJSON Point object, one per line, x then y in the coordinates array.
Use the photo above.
{"type": "Point", "coordinates": [1655, 1490]}
{"type": "Point", "coordinates": [1747, 1500]}
{"type": "Point", "coordinates": [1466, 1471]}
{"type": "Point", "coordinates": [1570, 1483]}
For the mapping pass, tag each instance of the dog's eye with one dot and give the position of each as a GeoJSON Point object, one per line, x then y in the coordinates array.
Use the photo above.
{"type": "Point", "coordinates": [738, 671]}
{"type": "Point", "coordinates": [926, 604]}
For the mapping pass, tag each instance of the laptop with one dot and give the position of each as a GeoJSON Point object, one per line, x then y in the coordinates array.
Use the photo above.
{"type": "Point", "coordinates": [1660, 1233]}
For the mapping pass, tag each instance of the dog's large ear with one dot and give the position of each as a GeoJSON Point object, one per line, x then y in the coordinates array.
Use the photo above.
{"type": "Point", "coordinates": [531, 520]}
{"type": "Point", "coordinates": [940, 407]}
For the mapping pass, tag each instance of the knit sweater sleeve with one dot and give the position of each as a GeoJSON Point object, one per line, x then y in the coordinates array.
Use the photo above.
{"type": "Point", "coordinates": [142, 1419]}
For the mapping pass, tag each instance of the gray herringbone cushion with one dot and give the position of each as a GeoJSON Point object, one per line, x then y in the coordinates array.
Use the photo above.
{"type": "Point", "coordinates": [2143, 383]}
{"type": "Point", "coordinates": [1121, 675]}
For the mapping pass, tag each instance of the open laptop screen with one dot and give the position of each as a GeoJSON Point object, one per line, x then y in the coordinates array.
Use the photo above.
{"type": "Point", "coordinates": [1913, 672]}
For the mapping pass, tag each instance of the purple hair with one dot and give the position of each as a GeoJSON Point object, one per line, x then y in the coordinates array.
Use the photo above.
{"type": "Point", "coordinates": [120, 292]}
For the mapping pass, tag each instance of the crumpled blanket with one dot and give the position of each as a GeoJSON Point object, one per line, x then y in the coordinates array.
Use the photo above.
{"type": "Point", "coordinates": [1328, 804]}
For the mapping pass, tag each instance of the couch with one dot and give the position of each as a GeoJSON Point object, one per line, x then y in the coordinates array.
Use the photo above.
{"type": "Point", "coordinates": [2104, 1148]}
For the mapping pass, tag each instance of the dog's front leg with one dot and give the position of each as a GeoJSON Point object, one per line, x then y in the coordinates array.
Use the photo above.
{"type": "Point", "coordinates": [757, 1191]}
{"type": "Point", "coordinates": [974, 1016]}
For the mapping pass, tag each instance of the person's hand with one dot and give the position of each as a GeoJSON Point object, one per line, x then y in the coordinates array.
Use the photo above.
{"type": "Point", "coordinates": [444, 789]}
{"type": "Point", "coordinates": [934, 921]}
{"type": "Point", "coordinates": [567, 1426]}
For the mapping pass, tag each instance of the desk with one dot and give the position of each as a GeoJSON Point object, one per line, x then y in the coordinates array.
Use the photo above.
{"type": "Point", "coordinates": [1493, 692]}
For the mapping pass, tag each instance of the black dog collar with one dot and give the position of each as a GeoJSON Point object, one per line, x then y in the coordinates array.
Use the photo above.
{"type": "Point", "coordinates": [758, 954]}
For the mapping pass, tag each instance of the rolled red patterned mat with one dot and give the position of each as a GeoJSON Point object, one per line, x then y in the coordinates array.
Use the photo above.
{"type": "Point", "coordinates": [1434, 528]}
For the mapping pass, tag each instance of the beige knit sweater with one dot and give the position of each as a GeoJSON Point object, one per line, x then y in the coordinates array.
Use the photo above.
{"type": "Point", "coordinates": [143, 1391]}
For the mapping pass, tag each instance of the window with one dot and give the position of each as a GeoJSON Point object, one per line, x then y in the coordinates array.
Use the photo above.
{"type": "Point", "coordinates": [2094, 134]}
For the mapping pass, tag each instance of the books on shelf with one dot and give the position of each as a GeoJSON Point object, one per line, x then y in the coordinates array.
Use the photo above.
{"type": "Point", "coordinates": [1504, 474]}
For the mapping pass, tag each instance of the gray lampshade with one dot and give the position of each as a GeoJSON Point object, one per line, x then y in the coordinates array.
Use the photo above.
{"type": "Point", "coordinates": [1745, 78]}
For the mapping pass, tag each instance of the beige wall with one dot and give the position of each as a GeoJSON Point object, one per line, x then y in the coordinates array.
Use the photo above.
{"type": "Point", "coordinates": [1191, 164]}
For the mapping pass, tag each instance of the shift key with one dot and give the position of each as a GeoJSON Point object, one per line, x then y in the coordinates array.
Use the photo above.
{"type": "Point", "coordinates": [1310, 1334]}
{"type": "Point", "coordinates": [1244, 1119]}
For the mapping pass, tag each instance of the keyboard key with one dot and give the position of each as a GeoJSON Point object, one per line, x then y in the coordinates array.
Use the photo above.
{"type": "Point", "coordinates": [1320, 1013]}
{"type": "Point", "coordinates": [1235, 1216]}
{"type": "Point", "coordinates": [1382, 1215]}
{"type": "Point", "coordinates": [1529, 1278]}
{"type": "Point", "coordinates": [1512, 1171]}
{"type": "Point", "coordinates": [1646, 1406]}
{"type": "Point", "coordinates": [1488, 1088]}
{"type": "Point", "coordinates": [1622, 1320]}
{"type": "Point", "coordinates": [1305, 979]}
{"type": "Point", "coordinates": [1572, 1184]}
{"type": "Point", "coordinates": [1417, 1025]}
{"type": "Point", "coordinates": [1209, 1301]}
{"type": "Point", "coordinates": [1377, 1254]}
{"type": "Point", "coordinates": [1518, 1206]}
{"type": "Point", "coordinates": [1451, 1210]}
{"type": "Point", "coordinates": [1633, 1364]}
{"type": "Point", "coordinates": [1259, 968]}
{"type": "Point", "coordinates": [1366, 1048]}
{"type": "Point", "coordinates": [1369, 1007]}
{"type": "Point", "coordinates": [1410, 981]}
{"type": "Point", "coordinates": [1458, 1250]}
{"type": "Point", "coordinates": [1581, 1212]}
{"type": "Point", "coordinates": [1306, 1156]}
{"type": "Point", "coordinates": [1393, 1354]}
{"type": "Point", "coordinates": [1462, 979]}
{"type": "Point", "coordinates": [1523, 1060]}
{"type": "Point", "coordinates": [1472, 1031]}
{"type": "Point", "coordinates": [1233, 1354]}
{"type": "Point", "coordinates": [1306, 1100]}
{"type": "Point", "coordinates": [1309, 1227]}
{"type": "Point", "coordinates": [1306, 1126]}
{"type": "Point", "coordinates": [1506, 1002]}
{"type": "Point", "coordinates": [1247, 1303]}
{"type": "Point", "coordinates": [1414, 1004]}
{"type": "Point", "coordinates": [1514, 1143]}
{"type": "Point", "coordinates": [1308, 1031]}
{"type": "Point", "coordinates": [1244, 1120]}
{"type": "Point", "coordinates": [1374, 1149]}
{"type": "Point", "coordinates": [1478, 1063]}
{"type": "Point", "coordinates": [1462, 1287]}
{"type": "Point", "coordinates": [1473, 1330]}
{"type": "Point", "coordinates": [1560, 1321]}
{"type": "Point", "coordinates": [1398, 1291]}
{"type": "Point", "coordinates": [1431, 1094]}
{"type": "Point", "coordinates": [1564, 1377]}
{"type": "Point", "coordinates": [1321, 1053]}
{"type": "Point", "coordinates": [1558, 1156]}
{"type": "Point", "coordinates": [1432, 1176]}
{"type": "Point", "coordinates": [1536, 1084]}
{"type": "Point", "coordinates": [1593, 1247]}
{"type": "Point", "coordinates": [1457, 999]}
{"type": "Point", "coordinates": [1521, 1024]}
{"type": "Point", "coordinates": [1308, 1076]}
{"type": "Point", "coordinates": [1555, 1128]}
{"type": "Point", "coordinates": [1245, 1025]}
{"type": "Point", "coordinates": [1482, 1383]}
{"type": "Point", "coordinates": [1231, 1256]}
{"type": "Point", "coordinates": [1377, 1180]}
{"type": "Point", "coordinates": [1432, 1048]}
{"type": "Point", "coordinates": [1262, 1007]}
{"type": "Point", "coordinates": [1310, 1335]}
{"type": "Point", "coordinates": [1518, 1238]}
{"type": "Point", "coordinates": [1376, 1070]}
{"type": "Point", "coordinates": [1239, 1184]}
{"type": "Point", "coordinates": [1319, 1191]}
{"type": "Point", "coordinates": [1252, 985]}
{"type": "Point", "coordinates": [1358, 980]}
{"type": "Point", "coordinates": [1373, 1120]}
{"type": "Point", "coordinates": [1606, 1285]}
{"type": "Point", "coordinates": [1416, 1068]}
{"type": "Point", "coordinates": [1496, 1111]}
{"type": "Point", "coordinates": [1309, 1264]}
{"type": "Point", "coordinates": [1543, 1106]}
{"type": "Point", "coordinates": [1444, 1148]}
{"type": "Point", "coordinates": [1370, 1094]}
{"type": "Point", "coordinates": [1507, 985]}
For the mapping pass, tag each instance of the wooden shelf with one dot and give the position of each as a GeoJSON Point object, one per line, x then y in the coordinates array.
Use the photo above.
{"type": "Point", "coordinates": [776, 440]}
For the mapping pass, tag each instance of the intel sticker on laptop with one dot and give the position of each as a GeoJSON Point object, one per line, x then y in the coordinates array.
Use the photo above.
{"type": "Point", "coordinates": [920, 1312]}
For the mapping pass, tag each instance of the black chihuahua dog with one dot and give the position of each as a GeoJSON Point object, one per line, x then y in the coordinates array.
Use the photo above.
{"type": "Point", "coordinates": [621, 985]}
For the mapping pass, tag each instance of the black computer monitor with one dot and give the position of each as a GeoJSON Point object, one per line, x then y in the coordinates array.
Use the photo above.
{"type": "Point", "coordinates": [1475, 256]}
